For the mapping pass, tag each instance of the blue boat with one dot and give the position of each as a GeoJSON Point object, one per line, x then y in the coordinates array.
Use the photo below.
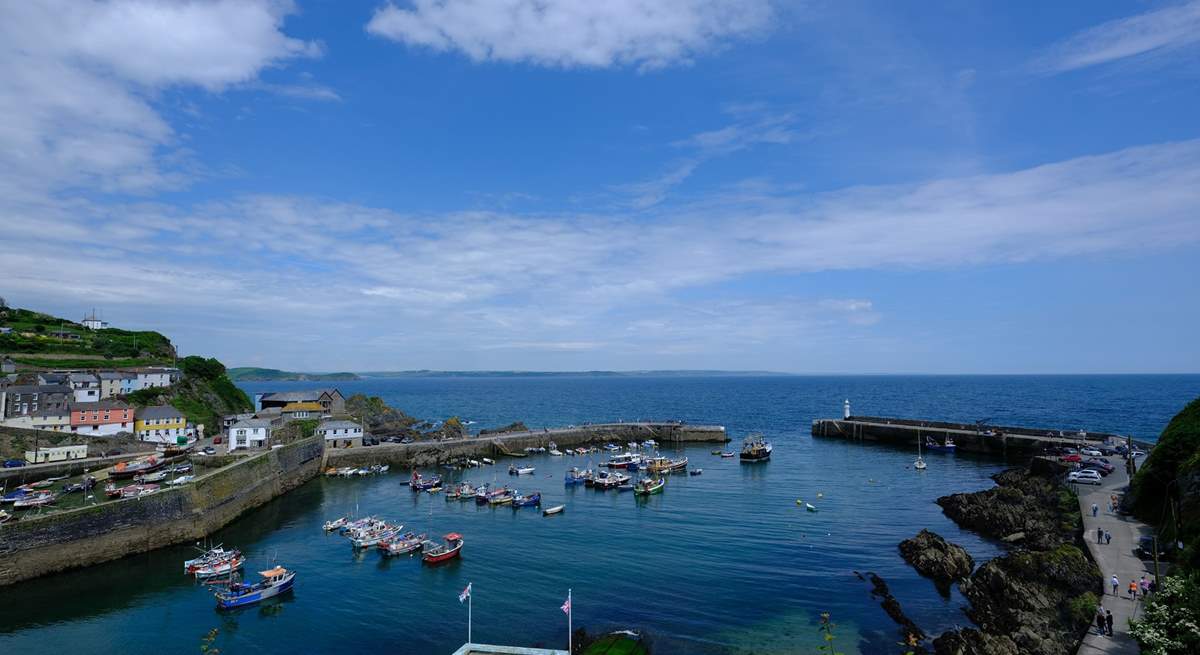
{"type": "Point", "coordinates": [574, 476]}
{"type": "Point", "coordinates": [947, 447]}
{"type": "Point", "coordinates": [274, 582]}
{"type": "Point", "coordinates": [532, 500]}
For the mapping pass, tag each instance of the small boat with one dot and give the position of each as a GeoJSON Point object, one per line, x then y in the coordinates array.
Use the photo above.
{"type": "Point", "coordinates": [157, 476]}
{"type": "Point", "coordinates": [531, 500]}
{"type": "Point", "coordinates": [500, 497]}
{"type": "Point", "coordinates": [574, 476]}
{"type": "Point", "coordinates": [124, 470]}
{"type": "Point", "coordinates": [920, 463]}
{"type": "Point", "coordinates": [609, 480]}
{"type": "Point", "coordinates": [419, 483]}
{"type": "Point", "coordinates": [716, 452]}
{"type": "Point", "coordinates": [807, 506]}
{"type": "Point", "coordinates": [57, 478]}
{"type": "Point", "coordinates": [35, 499]}
{"type": "Point", "coordinates": [5, 517]}
{"type": "Point", "coordinates": [186, 467]}
{"type": "Point", "coordinates": [434, 553]}
{"type": "Point", "coordinates": [219, 567]}
{"type": "Point", "coordinates": [481, 494]}
{"type": "Point", "coordinates": [612, 447]}
{"type": "Point", "coordinates": [695, 471]}
{"type": "Point", "coordinates": [274, 582]}
{"type": "Point", "coordinates": [556, 452]}
{"type": "Point", "coordinates": [623, 461]}
{"type": "Point", "coordinates": [183, 479]}
{"type": "Point", "coordinates": [550, 511]}
{"type": "Point", "coordinates": [15, 495]}
{"type": "Point", "coordinates": [648, 486]}
{"type": "Point", "coordinates": [83, 485]}
{"type": "Point", "coordinates": [212, 554]}
{"type": "Point", "coordinates": [726, 454]}
{"type": "Point", "coordinates": [520, 470]}
{"type": "Point", "coordinates": [756, 449]}
{"type": "Point", "coordinates": [336, 524]}
{"type": "Point", "coordinates": [374, 537]}
{"type": "Point", "coordinates": [948, 447]}
{"type": "Point", "coordinates": [487, 460]}
{"type": "Point", "coordinates": [649, 443]}
{"type": "Point", "coordinates": [666, 465]}
{"type": "Point", "coordinates": [402, 545]}
{"type": "Point", "coordinates": [43, 484]}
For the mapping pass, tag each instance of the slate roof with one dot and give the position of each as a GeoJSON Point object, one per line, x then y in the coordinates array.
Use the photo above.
{"type": "Point", "coordinates": [159, 411]}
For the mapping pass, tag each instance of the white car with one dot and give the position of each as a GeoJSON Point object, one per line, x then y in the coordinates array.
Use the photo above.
{"type": "Point", "coordinates": [1091, 452]}
{"type": "Point", "coordinates": [1085, 476]}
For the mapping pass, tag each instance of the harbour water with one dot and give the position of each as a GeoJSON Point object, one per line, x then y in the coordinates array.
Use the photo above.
{"type": "Point", "coordinates": [723, 562]}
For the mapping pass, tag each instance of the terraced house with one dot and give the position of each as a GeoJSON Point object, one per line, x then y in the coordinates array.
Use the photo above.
{"type": "Point", "coordinates": [101, 418]}
{"type": "Point", "coordinates": [160, 424]}
{"type": "Point", "coordinates": [28, 399]}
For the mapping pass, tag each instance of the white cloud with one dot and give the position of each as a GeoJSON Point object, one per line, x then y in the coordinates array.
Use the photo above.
{"type": "Point", "coordinates": [78, 81]}
{"type": "Point", "coordinates": [573, 33]}
{"type": "Point", "coordinates": [1161, 30]}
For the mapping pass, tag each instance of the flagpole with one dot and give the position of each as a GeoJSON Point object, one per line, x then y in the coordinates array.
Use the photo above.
{"type": "Point", "coordinates": [570, 608]}
{"type": "Point", "coordinates": [469, 599]}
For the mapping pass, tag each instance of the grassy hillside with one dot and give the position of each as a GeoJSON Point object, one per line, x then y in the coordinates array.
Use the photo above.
{"type": "Point", "coordinates": [1169, 480]}
{"type": "Point", "coordinates": [252, 374]}
{"type": "Point", "coordinates": [36, 335]}
{"type": "Point", "coordinates": [204, 394]}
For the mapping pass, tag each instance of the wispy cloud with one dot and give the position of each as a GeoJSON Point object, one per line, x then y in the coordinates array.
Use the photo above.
{"type": "Point", "coordinates": [564, 33]}
{"type": "Point", "coordinates": [302, 91]}
{"type": "Point", "coordinates": [1168, 29]}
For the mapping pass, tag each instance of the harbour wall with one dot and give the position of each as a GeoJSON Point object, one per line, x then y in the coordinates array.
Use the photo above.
{"type": "Point", "coordinates": [431, 453]}
{"type": "Point", "coordinates": [1000, 441]}
{"type": "Point", "coordinates": [40, 545]}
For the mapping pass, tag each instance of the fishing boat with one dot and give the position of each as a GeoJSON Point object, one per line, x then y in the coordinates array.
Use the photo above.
{"type": "Point", "coordinates": [520, 470]}
{"type": "Point", "coordinates": [419, 483]}
{"type": "Point", "coordinates": [142, 466]}
{"type": "Point", "coordinates": [727, 454]}
{"type": "Point", "coordinates": [609, 480]}
{"type": "Point", "coordinates": [756, 449]}
{"type": "Point", "coordinates": [623, 461]}
{"type": "Point", "coordinates": [274, 582]}
{"type": "Point", "coordinates": [574, 476]}
{"type": "Point", "coordinates": [373, 537]}
{"type": "Point", "coordinates": [83, 485]}
{"type": "Point", "coordinates": [16, 494]}
{"type": "Point", "coordinates": [434, 553]}
{"type": "Point", "coordinates": [500, 497]}
{"type": "Point", "coordinates": [666, 465]}
{"type": "Point", "coordinates": [405, 544]}
{"type": "Point", "coordinates": [219, 567]}
{"type": "Point", "coordinates": [481, 493]}
{"type": "Point", "coordinates": [157, 476]}
{"type": "Point", "coordinates": [648, 486]}
{"type": "Point", "coordinates": [948, 447]}
{"type": "Point", "coordinates": [487, 460]}
{"type": "Point", "coordinates": [696, 472]}
{"type": "Point", "coordinates": [335, 524]}
{"type": "Point", "coordinates": [35, 499]}
{"type": "Point", "coordinates": [550, 511]}
{"type": "Point", "coordinates": [554, 449]}
{"type": "Point", "coordinates": [43, 484]}
{"type": "Point", "coordinates": [183, 479]}
{"type": "Point", "coordinates": [532, 500]}
{"type": "Point", "coordinates": [210, 555]}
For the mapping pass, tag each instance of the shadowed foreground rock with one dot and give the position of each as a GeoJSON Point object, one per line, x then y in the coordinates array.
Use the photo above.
{"type": "Point", "coordinates": [934, 557]}
{"type": "Point", "coordinates": [970, 641]}
{"type": "Point", "coordinates": [1020, 503]}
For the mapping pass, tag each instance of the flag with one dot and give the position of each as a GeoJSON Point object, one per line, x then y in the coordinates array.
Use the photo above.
{"type": "Point", "coordinates": [566, 607]}
{"type": "Point", "coordinates": [466, 593]}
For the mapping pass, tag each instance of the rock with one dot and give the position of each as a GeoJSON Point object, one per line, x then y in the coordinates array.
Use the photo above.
{"type": "Point", "coordinates": [969, 641]}
{"type": "Point", "coordinates": [912, 632]}
{"type": "Point", "coordinates": [1021, 502]}
{"type": "Point", "coordinates": [934, 557]}
{"type": "Point", "coordinates": [1014, 537]}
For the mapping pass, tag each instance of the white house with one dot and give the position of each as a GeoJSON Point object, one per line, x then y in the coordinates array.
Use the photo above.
{"type": "Point", "coordinates": [86, 387]}
{"type": "Point", "coordinates": [340, 434]}
{"type": "Point", "coordinates": [249, 433]}
{"type": "Point", "coordinates": [155, 376]}
{"type": "Point", "coordinates": [93, 322]}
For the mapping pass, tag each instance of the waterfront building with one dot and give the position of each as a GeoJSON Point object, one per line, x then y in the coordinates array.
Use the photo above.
{"type": "Point", "coordinates": [26, 399]}
{"type": "Point", "coordinates": [56, 454]}
{"type": "Point", "coordinates": [228, 420]}
{"type": "Point", "coordinates": [101, 418]}
{"type": "Point", "coordinates": [160, 424]}
{"type": "Point", "coordinates": [93, 322]}
{"type": "Point", "coordinates": [249, 433]}
{"type": "Point", "coordinates": [331, 400]}
{"type": "Point", "coordinates": [86, 387]}
{"type": "Point", "coordinates": [340, 434]}
{"type": "Point", "coordinates": [300, 411]}
{"type": "Point", "coordinates": [116, 383]}
{"type": "Point", "coordinates": [53, 420]}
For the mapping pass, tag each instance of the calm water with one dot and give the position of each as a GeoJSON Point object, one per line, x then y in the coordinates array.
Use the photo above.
{"type": "Point", "coordinates": [719, 563]}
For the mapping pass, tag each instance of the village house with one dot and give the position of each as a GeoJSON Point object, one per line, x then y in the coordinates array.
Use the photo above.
{"type": "Point", "coordinates": [340, 434]}
{"type": "Point", "coordinates": [93, 322]}
{"type": "Point", "coordinates": [149, 377]}
{"type": "Point", "coordinates": [54, 420]}
{"type": "Point", "coordinates": [249, 433]}
{"type": "Point", "coordinates": [160, 424]}
{"type": "Point", "coordinates": [7, 366]}
{"type": "Point", "coordinates": [46, 377]}
{"type": "Point", "coordinates": [116, 383]}
{"type": "Point", "coordinates": [101, 418]}
{"type": "Point", "coordinates": [301, 411]}
{"type": "Point", "coordinates": [86, 387]}
{"type": "Point", "coordinates": [331, 400]}
{"type": "Point", "coordinates": [26, 399]}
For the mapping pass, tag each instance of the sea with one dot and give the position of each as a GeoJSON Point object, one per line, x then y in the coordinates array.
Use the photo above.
{"type": "Point", "coordinates": [726, 562]}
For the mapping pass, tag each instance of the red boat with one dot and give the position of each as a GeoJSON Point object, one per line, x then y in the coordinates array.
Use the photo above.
{"type": "Point", "coordinates": [434, 553]}
{"type": "Point", "coordinates": [142, 466]}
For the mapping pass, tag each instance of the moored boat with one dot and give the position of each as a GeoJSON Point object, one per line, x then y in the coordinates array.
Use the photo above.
{"type": "Point", "coordinates": [35, 499]}
{"type": "Point", "coordinates": [550, 511]}
{"type": "Point", "coordinates": [405, 544]}
{"type": "Point", "coordinates": [666, 465]}
{"type": "Point", "coordinates": [696, 472]}
{"type": "Point", "coordinates": [419, 483]}
{"type": "Point", "coordinates": [623, 461]}
{"type": "Point", "coordinates": [335, 524]}
{"type": "Point", "coordinates": [531, 500]}
{"type": "Point", "coordinates": [575, 476]}
{"type": "Point", "coordinates": [520, 470]}
{"type": "Point", "coordinates": [434, 553]}
{"type": "Point", "coordinates": [142, 466]}
{"type": "Point", "coordinates": [948, 447]}
{"type": "Point", "coordinates": [274, 582]}
{"type": "Point", "coordinates": [648, 486]}
{"type": "Point", "coordinates": [756, 449]}
{"type": "Point", "coordinates": [500, 497]}
{"type": "Point", "coordinates": [219, 567]}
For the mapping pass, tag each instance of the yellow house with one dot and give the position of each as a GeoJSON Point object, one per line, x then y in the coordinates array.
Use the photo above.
{"type": "Point", "coordinates": [162, 424]}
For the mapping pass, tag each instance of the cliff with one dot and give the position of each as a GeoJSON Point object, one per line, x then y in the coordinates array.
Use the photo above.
{"type": "Point", "coordinates": [1170, 478]}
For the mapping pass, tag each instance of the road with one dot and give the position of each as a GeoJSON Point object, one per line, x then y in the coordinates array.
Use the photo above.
{"type": "Point", "coordinates": [1114, 558]}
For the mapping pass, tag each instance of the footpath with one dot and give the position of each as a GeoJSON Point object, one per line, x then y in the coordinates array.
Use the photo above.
{"type": "Point", "coordinates": [1115, 558]}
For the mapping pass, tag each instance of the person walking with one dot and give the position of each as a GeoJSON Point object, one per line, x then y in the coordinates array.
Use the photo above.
{"type": "Point", "coordinates": [1133, 590]}
{"type": "Point", "coordinates": [1115, 583]}
{"type": "Point", "coordinates": [1095, 510]}
{"type": "Point", "coordinates": [1107, 537]}
{"type": "Point", "coordinates": [1144, 585]}
{"type": "Point", "coordinates": [1108, 621]}
{"type": "Point", "coordinates": [1100, 620]}
{"type": "Point", "coordinates": [1099, 535]}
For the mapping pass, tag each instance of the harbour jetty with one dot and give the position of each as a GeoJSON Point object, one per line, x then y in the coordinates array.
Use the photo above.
{"type": "Point", "coordinates": [999, 440]}
{"type": "Point", "coordinates": [430, 453]}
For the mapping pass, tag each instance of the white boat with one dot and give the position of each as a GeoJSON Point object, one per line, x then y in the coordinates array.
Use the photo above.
{"type": "Point", "coordinates": [556, 453]}
{"type": "Point", "coordinates": [487, 460]}
{"type": "Point", "coordinates": [920, 463]}
{"type": "Point", "coordinates": [183, 479]}
{"type": "Point", "coordinates": [335, 524]}
{"type": "Point", "coordinates": [557, 509]}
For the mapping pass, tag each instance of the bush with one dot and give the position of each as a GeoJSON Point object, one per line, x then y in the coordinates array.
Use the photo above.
{"type": "Point", "coordinates": [1170, 624]}
{"type": "Point", "coordinates": [1082, 609]}
{"type": "Point", "coordinates": [205, 369]}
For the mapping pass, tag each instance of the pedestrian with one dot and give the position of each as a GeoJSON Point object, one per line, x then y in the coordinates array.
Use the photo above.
{"type": "Point", "coordinates": [1133, 590]}
{"type": "Point", "coordinates": [1095, 510]}
{"type": "Point", "coordinates": [1100, 621]}
{"type": "Point", "coordinates": [1144, 585]}
{"type": "Point", "coordinates": [1099, 535]}
{"type": "Point", "coordinates": [1107, 537]}
{"type": "Point", "coordinates": [1108, 621]}
{"type": "Point", "coordinates": [1154, 585]}
{"type": "Point", "coordinates": [1115, 583]}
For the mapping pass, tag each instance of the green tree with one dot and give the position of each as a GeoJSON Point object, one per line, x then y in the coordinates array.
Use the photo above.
{"type": "Point", "coordinates": [1171, 622]}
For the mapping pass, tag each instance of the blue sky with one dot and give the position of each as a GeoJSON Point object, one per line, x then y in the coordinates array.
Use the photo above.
{"type": "Point", "coordinates": [987, 187]}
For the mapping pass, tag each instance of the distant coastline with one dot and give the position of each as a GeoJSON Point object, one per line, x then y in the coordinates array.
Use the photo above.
{"type": "Point", "coordinates": [504, 374]}
{"type": "Point", "coordinates": [251, 374]}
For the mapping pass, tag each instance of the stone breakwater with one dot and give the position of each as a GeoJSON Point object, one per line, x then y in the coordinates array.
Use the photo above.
{"type": "Point", "coordinates": [89, 535]}
{"type": "Point", "coordinates": [432, 453]}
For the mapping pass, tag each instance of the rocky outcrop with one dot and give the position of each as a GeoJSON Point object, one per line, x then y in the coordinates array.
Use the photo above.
{"type": "Point", "coordinates": [934, 557]}
{"type": "Point", "coordinates": [380, 419]}
{"type": "Point", "coordinates": [913, 635]}
{"type": "Point", "coordinates": [1046, 513]}
{"type": "Point", "coordinates": [969, 641]}
{"type": "Point", "coordinates": [511, 427]}
{"type": "Point", "coordinates": [1031, 598]}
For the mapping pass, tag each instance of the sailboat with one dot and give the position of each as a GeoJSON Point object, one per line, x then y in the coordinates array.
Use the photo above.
{"type": "Point", "coordinates": [920, 463]}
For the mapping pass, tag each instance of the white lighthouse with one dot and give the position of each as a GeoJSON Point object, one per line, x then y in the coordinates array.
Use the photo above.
{"type": "Point", "coordinates": [846, 409]}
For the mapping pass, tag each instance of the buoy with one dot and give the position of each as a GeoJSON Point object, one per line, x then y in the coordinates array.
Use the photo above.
{"type": "Point", "coordinates": [820, 495]}
{"type": "Point", "coordinates": [799, 502]}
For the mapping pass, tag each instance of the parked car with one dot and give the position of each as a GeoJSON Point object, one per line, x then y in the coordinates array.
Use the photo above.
{"type": "Point", "coordinates": [1101, 471]}
{"type": "Point", "coordinates": [1145, 549]}
{"type": "Point", "coordinates": [1091, 452]}
{"type": "Point", "coordinates": [1086, 476]}
{"type": "Point", "coordinates": [1106, 451]}
{"type": "Point", "coordinates": [13, 463]}
{"type": "Point", "coordinates": [217, 439]}
{"type": "Point", "coordinates": [1069, 451]}
{"type": "Point", "coordinates": [1070, 458]}
{"type": "Point", "coordinates": [209, 450]}
{"type": "Point", "coordinates": [1099, 464]}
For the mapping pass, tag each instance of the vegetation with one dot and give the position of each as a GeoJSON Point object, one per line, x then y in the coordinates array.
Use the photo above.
{"type": "Point", "coordinates": [37, 333]}
{"type": "Point", "coordinates": [203, 395]}
{"type": "Point", "coordinates": [1170, 624]}
{"type": "Point", "coordinates": [273, 374]}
